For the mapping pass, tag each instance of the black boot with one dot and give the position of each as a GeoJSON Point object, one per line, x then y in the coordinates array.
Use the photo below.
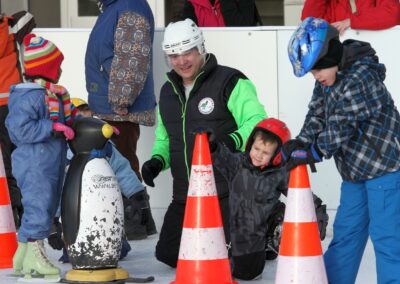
{"type": "Point", "coordinates": [274, 231]}
{"type": "Point", "coordinates": [132, 219]}
{"type": "Point", "coordinates": [150, 225]}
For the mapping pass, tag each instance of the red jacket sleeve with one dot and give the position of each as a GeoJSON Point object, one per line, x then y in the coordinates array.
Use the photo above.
{"type": "Point", "coordinates": [383, 15]}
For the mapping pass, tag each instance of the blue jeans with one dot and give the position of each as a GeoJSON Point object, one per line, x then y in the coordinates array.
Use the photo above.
{"type": "Point", "coordinates": [367, 208]}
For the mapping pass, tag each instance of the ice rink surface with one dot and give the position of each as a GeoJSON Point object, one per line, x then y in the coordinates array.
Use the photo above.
{"type": "Point", "coordinates": [141, 262]}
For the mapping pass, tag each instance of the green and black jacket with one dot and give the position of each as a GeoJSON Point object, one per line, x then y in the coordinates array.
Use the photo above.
{"type": "Point", "coordinates": [223, 99]}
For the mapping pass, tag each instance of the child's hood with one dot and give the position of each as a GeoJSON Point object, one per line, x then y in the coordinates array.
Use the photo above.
{"type": "Point", "coordinates": [355, 50]}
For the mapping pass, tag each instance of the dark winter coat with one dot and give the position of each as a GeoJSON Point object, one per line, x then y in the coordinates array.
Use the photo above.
{"type": "Point", "coordinates": [253, 193]}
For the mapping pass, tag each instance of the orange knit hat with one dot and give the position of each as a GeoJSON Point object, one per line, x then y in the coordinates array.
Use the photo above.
{"type": "Point", "coordinates": [41, 58]}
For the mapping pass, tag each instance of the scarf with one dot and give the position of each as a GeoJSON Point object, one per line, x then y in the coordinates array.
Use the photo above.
{"type": "Point", "coordinates": [53, 93]}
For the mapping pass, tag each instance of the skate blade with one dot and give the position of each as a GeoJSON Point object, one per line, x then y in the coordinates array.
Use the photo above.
{"type": "Point", "coordinates": [14, 275]}
{"type": "Point", "coordinates": [39, 278]}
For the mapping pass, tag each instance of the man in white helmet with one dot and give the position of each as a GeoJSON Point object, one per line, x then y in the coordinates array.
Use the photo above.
{"type": "Point", "coordinates": [198, 93]}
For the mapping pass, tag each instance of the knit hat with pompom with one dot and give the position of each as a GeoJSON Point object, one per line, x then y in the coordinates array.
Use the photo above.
{"type": "Point", "coordinates": [41, 58]}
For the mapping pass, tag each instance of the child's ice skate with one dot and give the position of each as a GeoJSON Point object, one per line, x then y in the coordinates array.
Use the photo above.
{"type": "Point", "coordinates": [19, 258]}
{"type": "Point", "coordinates": [36, 265]}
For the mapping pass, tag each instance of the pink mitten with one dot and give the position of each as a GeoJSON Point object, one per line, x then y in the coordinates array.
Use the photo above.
{"type": "Point", "coordinates": [115, 130]}
{"type": "Point", "coordinates": [67, 131]}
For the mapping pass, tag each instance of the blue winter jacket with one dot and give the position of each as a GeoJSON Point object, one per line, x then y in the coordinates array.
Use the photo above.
{"type": "Point", "coordinates": [39, 159]}
{"type": "Point", "coordinates": [118, 62]}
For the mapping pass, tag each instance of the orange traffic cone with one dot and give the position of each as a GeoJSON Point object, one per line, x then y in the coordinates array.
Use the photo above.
{"type": "Point", "coordinates": [8, 237]}
{"type": "Point", "coordinates": [300, 255]}
{"type": "Point", "coordinates": [203, 256]}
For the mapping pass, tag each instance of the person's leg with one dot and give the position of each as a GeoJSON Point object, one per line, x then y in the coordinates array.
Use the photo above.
{"type": "Point", "coordinates": [248, 266]}
{"type": "Point", "coordinates": [134, 230]}
{"type": "Point", "coordinates": [224, 206]}
{"type": "Point", "coordinates": [126, 142]}
{"type": "Point", "coordinates": [167, 248]}
{"type": "Point", "coordinates": [36, 221]}
{"type": "Point", "coordinates": [350, 235]}
{"type": "Point", "coordinates": [6, 148]}
{"type": "Point", "coordinates": [150, 225]}
{"type": "Point", "coordinates": [38, 202]}
{"type": "Point", "coordinates": [384, 210]}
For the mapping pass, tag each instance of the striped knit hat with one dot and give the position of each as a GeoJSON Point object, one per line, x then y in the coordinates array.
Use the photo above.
{"type": "Point", "coordinates": [41, 58]}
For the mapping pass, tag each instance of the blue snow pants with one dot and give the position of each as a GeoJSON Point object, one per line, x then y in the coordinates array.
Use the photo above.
{"type": "Point", "coordinates": [368, 208]}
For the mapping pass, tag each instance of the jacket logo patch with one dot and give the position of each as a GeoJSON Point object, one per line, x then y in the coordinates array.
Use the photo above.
{"type": "Point", "coordinates": [206, 106]}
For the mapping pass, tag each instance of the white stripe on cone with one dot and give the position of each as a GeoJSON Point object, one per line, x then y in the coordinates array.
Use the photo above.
{"type": "Point", "coordinates": [304, 272]}
{"type": "Point", "coordinates": [203, 244]}
{"type": "Point", "coordinates": [7, 220]}
{"type": "Point", "coordinates": [302, 206]}
{"type": "Point", "coordinates": [202, 181]}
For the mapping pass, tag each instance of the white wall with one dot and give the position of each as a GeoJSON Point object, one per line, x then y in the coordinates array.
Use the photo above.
{"type": "Point", "coordinates": [261, 54]}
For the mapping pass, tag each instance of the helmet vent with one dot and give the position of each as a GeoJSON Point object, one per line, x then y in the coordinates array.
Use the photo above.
{"type": "Point", "coordinates": [299, 53]}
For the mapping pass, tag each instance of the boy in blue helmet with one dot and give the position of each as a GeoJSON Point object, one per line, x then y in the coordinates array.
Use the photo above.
{"type": "Point", "coordinates": [351, 117]}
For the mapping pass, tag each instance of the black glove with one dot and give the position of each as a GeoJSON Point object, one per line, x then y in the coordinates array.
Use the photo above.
{"type": "Point", "coordinates": [210, 135]}
{"type": "Point", "coordinates": [228, 142]}
{"type": "Point", "coordinates": [150, 171]}
{"type": "Point", "coordinates": [296, 152]}
{"type": "Point", "coordinates": [322, 217]}
{"type": "Point", "coordinates": [138, 203]}
{"type": "Point", "coordinates": [55, 238]}
{"type": "Point", "coordinates": [290, 146]}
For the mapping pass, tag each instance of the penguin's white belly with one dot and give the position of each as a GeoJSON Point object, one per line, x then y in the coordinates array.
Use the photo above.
{"type": "Point", "coordinates": [101, 217]}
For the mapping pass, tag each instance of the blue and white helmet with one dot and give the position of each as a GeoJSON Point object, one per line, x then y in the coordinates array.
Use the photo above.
{"type": "Point", "coordinates": [309, 43]}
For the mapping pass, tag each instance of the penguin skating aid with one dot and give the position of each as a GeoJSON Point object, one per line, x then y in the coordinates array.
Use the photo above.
{"type": "Point", "coordinates": [92, 208]}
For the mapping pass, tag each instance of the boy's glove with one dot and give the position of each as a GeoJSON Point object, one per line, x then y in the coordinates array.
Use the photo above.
{"type": "Point", "coordinates": [150, 171]}
{"type": "Point", "coordinates": [62, 128]}
{"type": "Point", "coordinates": [138, 203]}
{"type": "Point", "coordinates": [55, 238]}
{"type": "Point", "coordinates": [295, 152]}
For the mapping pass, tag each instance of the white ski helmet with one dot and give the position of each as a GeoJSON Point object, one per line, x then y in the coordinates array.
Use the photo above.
{"type": "Point", "coordinates": [182, 36]}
